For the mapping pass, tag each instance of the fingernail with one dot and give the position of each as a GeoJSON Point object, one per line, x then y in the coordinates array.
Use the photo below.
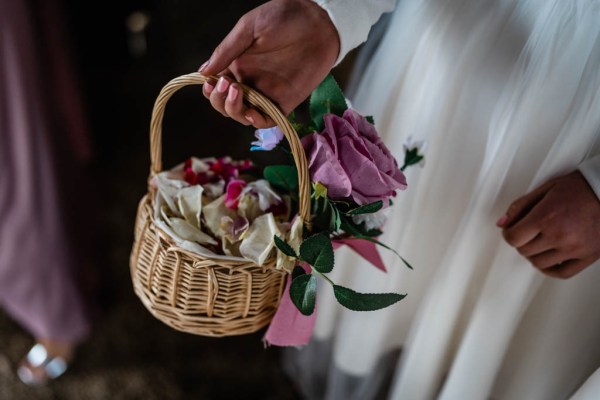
{"type": "Point", "coordinates": [208, 87]}
{"type": "Point", "coordinates": [502, 220]}
{"type": "Point", "coordinates": [222, 85]}
{"type": "Point", "coordinates": [233, 93]}
{"type": "Point", "coordinates": [203, 66]}
{"type": "Point", "coordinates": [249, 119]}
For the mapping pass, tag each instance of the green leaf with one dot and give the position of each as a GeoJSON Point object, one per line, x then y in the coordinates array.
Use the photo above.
{"type": "Point", "coordinates": [323, 216]}
{"type": "Point", "coordinates": [406, 262]}
{"type": "Point", "coordinates": [298, 270]}
{"type": "Point", "coordinates": [411, 157]}
{"type": "Point", "coordinates": [365, 301]}
{"type": "Point", "coordinates": [370, 239]}
{"type": "Point", "coordinates": [326, 98]}
{"type": "Point", "coordinates": [370, 119]}
{"type": "Point", "coordinates": [367, 208]}
{"type": "Point", "coordinates": [300, 128]}
{"type": "Point", "coordinates": [360, 233]}
{"type": "Point", "coordinates": [358, 230]}
{"type": "Point", "coordinates": [317, 250]}
{"type": "Point", "coordinates": [283, 176]}
{"type": "Point", "coordinates": [284, 247]}
{"type": "Point", "coordinates": [303, 293]}
{"type": "Point", "coordinates": [336, 219]}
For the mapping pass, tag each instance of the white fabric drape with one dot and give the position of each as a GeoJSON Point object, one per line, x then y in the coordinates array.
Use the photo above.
{"type": "Point", "coordinates": [507, 95]}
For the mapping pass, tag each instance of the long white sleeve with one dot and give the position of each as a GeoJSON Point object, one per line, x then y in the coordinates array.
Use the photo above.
{"type": "Point", "coordinates": [353, 19]}
{"type": "Point", "coordinates": [590, 169]}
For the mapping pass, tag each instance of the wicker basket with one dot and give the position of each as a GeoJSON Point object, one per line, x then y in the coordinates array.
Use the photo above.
{"type": "Point", "coordinates": [196, 294]}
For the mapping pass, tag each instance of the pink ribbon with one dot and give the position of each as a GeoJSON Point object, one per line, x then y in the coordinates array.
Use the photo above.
{"type": "Point", "coordinates": [365, 249]}
{"type": "Point", "coordinates": [289, 326]}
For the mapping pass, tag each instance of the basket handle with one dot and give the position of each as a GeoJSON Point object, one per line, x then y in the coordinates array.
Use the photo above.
{"type": "Point", "coordinates": [254, 98]}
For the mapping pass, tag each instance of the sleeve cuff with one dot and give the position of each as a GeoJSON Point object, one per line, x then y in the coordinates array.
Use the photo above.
{"type": "Point", "coordinates": [590, 169]}
{"type": "Point", "coordinates": [353, 20]}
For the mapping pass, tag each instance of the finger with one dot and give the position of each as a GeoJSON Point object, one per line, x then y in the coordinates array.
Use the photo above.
{"type": "Point", "coordinates": [537, 245]}
{"type": "Point", "coordinates": [234, 104]}
{"type": "Point", "coordinates": [520, 207]}
{"type": "Point", "coordinates": [257, 119]}
{"type": "Point", "coordinates": [234, 45]}
{"type": "Point", "coordinates": [567, 269]}
{"type": "Point", "coordinates": [547, 259]}
{"type": "Point", "coordinates": [521, 234]}
{"type": "Point", "coordinates": [207, 89]}
{"type": "Point", "coordinates": [218, 95]}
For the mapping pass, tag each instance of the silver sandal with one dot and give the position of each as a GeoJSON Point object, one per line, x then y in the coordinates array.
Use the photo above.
{"type": "Point", "coordinates": [39, 367]}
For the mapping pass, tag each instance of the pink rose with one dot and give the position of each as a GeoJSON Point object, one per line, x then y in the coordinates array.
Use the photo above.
{"type": "Point", "coordinates": [351, 160]}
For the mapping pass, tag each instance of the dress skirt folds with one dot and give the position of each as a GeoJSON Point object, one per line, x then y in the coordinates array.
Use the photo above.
{"type": "Point", "coordinates": [37, 284]}
{"type": "Point", "coordinates": [506, 94]}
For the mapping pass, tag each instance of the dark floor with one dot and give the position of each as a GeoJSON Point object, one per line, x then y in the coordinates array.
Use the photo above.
{"type": "Point", "coordinates": [130, 355]}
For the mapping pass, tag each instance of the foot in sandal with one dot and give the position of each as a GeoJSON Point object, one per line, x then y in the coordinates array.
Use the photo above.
{"type": "Point", "coordinates": [45, 361]}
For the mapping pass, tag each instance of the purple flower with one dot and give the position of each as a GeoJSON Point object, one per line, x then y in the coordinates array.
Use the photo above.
{"type": "Point", "coordinates": [267, 139]}
{"type": "Point", "coordinates": [351, 160]}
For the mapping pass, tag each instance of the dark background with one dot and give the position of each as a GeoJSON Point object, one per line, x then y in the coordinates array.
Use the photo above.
{"type": "Point", "coordinates": [130, 355]}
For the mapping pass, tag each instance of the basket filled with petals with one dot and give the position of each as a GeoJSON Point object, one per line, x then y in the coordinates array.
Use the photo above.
{"type": "Point", "coordinates": [225, 247]}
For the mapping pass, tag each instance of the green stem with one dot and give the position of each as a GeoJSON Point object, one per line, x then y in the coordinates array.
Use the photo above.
{"type": "Point", "coordinates": [324, 277]}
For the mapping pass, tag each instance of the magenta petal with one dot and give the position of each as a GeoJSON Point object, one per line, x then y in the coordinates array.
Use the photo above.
{"type": "Point", "coordinates": [232, 193]}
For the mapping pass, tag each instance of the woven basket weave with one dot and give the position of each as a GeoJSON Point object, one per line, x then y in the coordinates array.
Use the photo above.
{"type": "Point", "coordinates": [196, 294]}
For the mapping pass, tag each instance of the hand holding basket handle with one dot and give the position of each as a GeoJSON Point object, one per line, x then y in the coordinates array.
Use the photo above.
{"type": "Point", "coordinates": [196, 294]}
{"type": "Point", "coordinates": [283, 48]}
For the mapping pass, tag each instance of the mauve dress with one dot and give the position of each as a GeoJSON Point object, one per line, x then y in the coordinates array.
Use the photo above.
{"type": "Point", "coordinates": [37, 282]}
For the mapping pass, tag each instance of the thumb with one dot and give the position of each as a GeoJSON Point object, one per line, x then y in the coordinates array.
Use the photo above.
{"type": "Point", "coordinates": [234, 45]}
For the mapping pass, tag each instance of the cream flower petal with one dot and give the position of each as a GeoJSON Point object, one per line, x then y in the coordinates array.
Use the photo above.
{"type": "Point", "coordinates": [258, 244]}
{"type": "Point", "coordinates": [187, 231]}
{"type": "Point", "coordinates": [249, 207]}
{"type": "Point", "coordinates": [168, 189]}
{"type": "Point", "coordinates": [293, 238]}
{"type": "Point", "coordinates": [213, 212]}
{"type": "Point", "coordinates": [189, 200]}
{"type": "Point", "coordinates": [266, 195]}
{"type": "Point", "coordinates": [201, 165]}
{"type": "Point", "coordinates": [214, 190]}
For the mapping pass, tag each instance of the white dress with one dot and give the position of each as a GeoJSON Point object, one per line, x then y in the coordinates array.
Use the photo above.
{"type": "Point", "coordinates": [507, 95]}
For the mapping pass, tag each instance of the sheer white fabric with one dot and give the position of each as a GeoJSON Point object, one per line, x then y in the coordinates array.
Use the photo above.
{"type": "Point", "coordinates": [353, 19]}
{"type": "Point", "coordinates": [507, 95]}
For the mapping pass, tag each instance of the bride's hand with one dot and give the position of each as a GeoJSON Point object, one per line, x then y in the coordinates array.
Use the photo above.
{"type": "Point", "coordinates": [556, 226]}
{"type": "Point", "coordinates": [284, 49]}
